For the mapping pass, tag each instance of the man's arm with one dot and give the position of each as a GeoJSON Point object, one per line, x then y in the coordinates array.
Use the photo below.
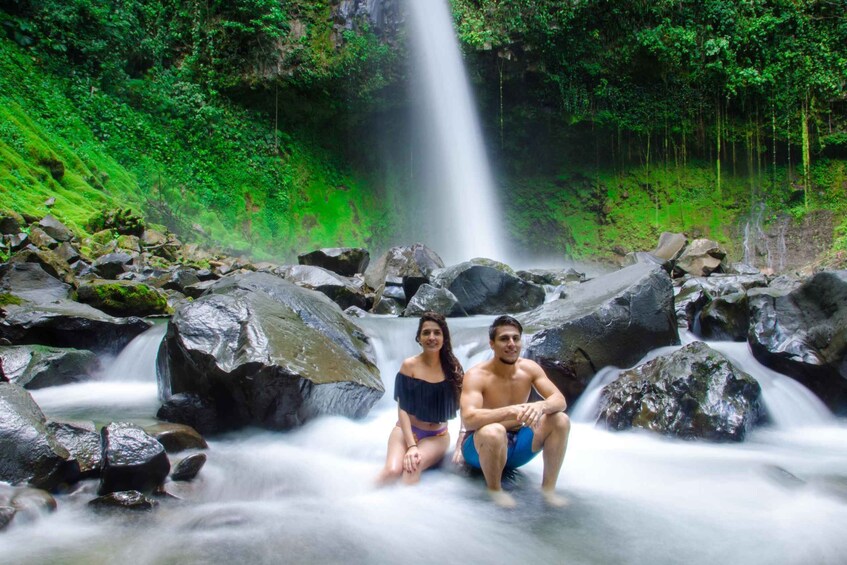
{"type": "Point", "coordinates": [554, 401]}
{"type": "Point", "coordinates": [474, 415]}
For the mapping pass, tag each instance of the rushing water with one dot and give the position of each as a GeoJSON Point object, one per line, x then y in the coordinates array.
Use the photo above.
{"type": "Point", "coordinates": [307, 496]}
{"type": "Point", "coordinates": [462, 216]}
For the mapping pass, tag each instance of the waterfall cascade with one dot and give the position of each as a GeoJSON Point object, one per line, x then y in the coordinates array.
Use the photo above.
{"type": "Point", "coordinates": [461, 217]}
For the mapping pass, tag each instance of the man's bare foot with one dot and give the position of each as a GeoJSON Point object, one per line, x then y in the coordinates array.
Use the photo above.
{"type": "Point", "coordinates": [502, 499]}
{"type": "Point", "coordinates": [553, 499]}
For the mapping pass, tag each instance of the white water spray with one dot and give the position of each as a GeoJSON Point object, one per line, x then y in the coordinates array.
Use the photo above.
{"type": "Point", "coordinates": [463, 215]}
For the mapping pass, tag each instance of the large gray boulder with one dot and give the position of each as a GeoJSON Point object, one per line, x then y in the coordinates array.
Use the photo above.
{"type": "Point", "coordinates": [695, 393]}
{"type": "Point", "coordinates": [132, 460]}
{"type": "Point", "coordinates": [725, 318]}
{"type": "Point", "coordinates": [69, 324]}
{"type": "Point", "coordinates": [83, 443]}
{"type": "Point", "coordinates": [340, 290]}
{"type": "Point", "coordinates": [488, 287]}
{"type": "Point", "coordinates": [55, 229]}
{"type": "Point", "coordinates": [345, 261]}
{"type": "Point", "coordinates": [32, 283]}
{"type": "Point", "coordinates": [803, 334]}
{"type": "Point", "coordinates": [29, 453]}
{"type": "Point", "coordinates": [614, 319]}
{"type": "Point", "coordinates": [701, 258]}
{"type": "Point", "coordinates": [268, 353]}
{"type": "Point", "coordinates": [39, 366]}
{"type": "Point", "coordinates": [429, 298]}
{"type": "Point", "coordinates": [412, 265]}
{"type": "Point", "coordinates": [124, 298]}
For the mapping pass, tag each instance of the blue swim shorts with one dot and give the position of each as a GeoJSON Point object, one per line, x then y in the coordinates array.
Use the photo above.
{"type": "Point", "coordinates": [519, 450]}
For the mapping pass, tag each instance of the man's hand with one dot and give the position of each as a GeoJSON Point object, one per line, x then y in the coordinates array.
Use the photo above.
{"type": "Point", "coordinates": [529, 414]}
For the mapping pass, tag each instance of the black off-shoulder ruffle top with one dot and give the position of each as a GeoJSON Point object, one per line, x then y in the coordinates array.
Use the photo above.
{"type": "Point", "coordinates": [428, 402]}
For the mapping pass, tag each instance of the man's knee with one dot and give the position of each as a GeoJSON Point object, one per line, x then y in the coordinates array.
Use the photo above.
{"type": "Point", "coordinates": [492, 434]}
{"type": "Point", "coordinates": [560, 421]}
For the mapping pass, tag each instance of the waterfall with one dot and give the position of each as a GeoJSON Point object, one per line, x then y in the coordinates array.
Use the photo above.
{"type": "Point", "coordinates": [460, 216]}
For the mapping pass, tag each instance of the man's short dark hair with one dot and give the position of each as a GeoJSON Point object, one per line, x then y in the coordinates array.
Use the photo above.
{"type": "Point", "coordinates": [504, 320]}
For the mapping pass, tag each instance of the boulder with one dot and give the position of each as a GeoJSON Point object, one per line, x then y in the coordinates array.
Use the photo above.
{"type": "Point", "coordinates": [340, 290]}
{"type": "Point", "coordinates": [670, 246]}
{"type": "Point", "coordinates": [41, 239]}
{"type": "Point", "coordinates": [68, 252]}
{"type": "Point", "coordinates": [132, 460]}
{"type": "Point", "coordinates": [696, 292]}
{"type": "Point", "coordinates": [694, 393]}
{"type": "Point", "coordinates": [188, 468]}
{"type": "Point", "coordinates": [55, 229]}
{"type": "Point", "coordinates": [725, 318]}
{"type": "Point", "coordinates": [31, 504]}
{"type": "Point", "coordinates": [345, 261]}
{"type": "Point", "coordinates": [429, 298]}
{"type": "Point", "coordinates": [388, 307]}
{"type": "Point", "coordinates": [176, 437]}
{"type": "Point", "coordinates": [124, 298]}
{"type": "Point", "coordinates": [268, 353]}
{"type": "Point", "coordinates": [803, 334]}
{"type": "Point", "coordinates": [54, 265]}
{"type": "Point", "coordinates": [10, 222]}
{"type": "Point", "coordinates": [124, 500]}
{"type": "Point", "coordinates": [110, 265]}
{"type": "Point", "coordinates": [489, 288]}
{"type": "Point", "coordinates": [29, 453]}
{"type": "Point", "coordinates": [69, 324]}
{"type": "Point", "coordinates": [83, 443]}
{"type": "Point", "coordinates": [39, 366]}
{"type": "Point", "coordinates": [701, 258]}
{"type": "Point", "coordinates": [412, 264]}
{"type": "Point", "coordinates": [32, 283]}
{"type": "Point", "coordinates": [180, 278]}
{"type": "Point", "coordinates": [190, 409]}
{"type": "Point", "coordinates": [552, 277]}
{"type": "Point", "coordinates": [614, 319]}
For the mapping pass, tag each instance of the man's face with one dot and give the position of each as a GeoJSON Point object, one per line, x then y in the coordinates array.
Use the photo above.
{"type": "Point", "coordinates": [507, 344]}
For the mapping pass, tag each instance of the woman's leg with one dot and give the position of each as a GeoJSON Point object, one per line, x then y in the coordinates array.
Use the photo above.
{"type": "Point", "coordinates": [432, 450]}
{"type": "Point", "coordinates": [393, 469]}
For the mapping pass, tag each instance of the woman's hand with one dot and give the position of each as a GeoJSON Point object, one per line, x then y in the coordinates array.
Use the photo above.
{"type": "Point", "coordinates": [411, 459]}
{"type": "Point", "coordinates": [458, 456]}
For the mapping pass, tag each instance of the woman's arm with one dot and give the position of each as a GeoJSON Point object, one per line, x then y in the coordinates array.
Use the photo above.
{"type": "Point", "coordinates": [412, 458]}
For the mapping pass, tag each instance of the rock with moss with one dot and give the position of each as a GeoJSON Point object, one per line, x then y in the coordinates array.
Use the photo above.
{"type": "Point", "coordinates": [11, 222]}
{"type": "Point", "coordinates": [29, 282]}
{"type": "Point", "coordinates": [290, 354]}
{"type": "Point", "coordinates": [55, 229]}
{"type": "Point", "coordinates": [54, 265]}
{"type": "Point", "coordinates": [124, 298]}
{"type": "Point", "coordinates": [122, 220]}
{"type": "Point", "coordinates": [39, 366]}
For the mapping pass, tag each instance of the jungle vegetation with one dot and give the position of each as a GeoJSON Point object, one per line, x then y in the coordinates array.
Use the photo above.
{"type": "Point", "coordinates": [263, 126]}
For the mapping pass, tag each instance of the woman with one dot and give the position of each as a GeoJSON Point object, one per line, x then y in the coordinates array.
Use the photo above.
{"type": "Point", "coordinates": [427, 389]}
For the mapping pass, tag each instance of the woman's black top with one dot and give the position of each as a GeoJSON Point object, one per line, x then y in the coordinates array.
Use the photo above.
{"type": "Point", "coordinates": [428, 402]}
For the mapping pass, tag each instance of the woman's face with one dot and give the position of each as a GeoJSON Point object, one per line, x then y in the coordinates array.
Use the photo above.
{"type": "Point", "coordinates": [431, 337]}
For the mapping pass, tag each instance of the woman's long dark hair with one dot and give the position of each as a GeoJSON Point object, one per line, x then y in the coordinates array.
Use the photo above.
{"type": "Point", "coordinates": [453, 371]}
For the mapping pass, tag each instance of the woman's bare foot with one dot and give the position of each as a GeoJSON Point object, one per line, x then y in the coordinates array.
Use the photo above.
{"type": "Point", "coordinates": [502, 499]}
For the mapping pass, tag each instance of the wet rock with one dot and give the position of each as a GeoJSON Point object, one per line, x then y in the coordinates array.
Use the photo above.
{"type": "Point", "coordinates": [803, 334]}
{"type": "Point", "coordinates": [429, 298]}
{"type": "Point", "coordinates": [290, 354]}
{"type": "Point", "coordinates": [741, 269]}
{"type": "Point", "coordinates": [552, 277]}
{"type": "Point", "coordinates": [696, 292]}
{"type": "Point", "coordinates": [132, 460]}
{"type": "Point", "coordinates": [670, 246]}
{"type": "Point", "coordinates": [55, 229]}
{"type": "Point", "coordinates": [700, 259]}
{"type": "Point", "coordinates": [489, 288]}
{"type": "Point", "coordinates": [124, 500]}
{"type": "Point", "coordinates": [412, 264]}
{"type": "Point", "coordinates": [614, 319]}
{"type": "Point", "coordinates": [695, 393]}
{"type": "Point", "coordinates": [197, 290]}
{"type": "Point", "coordinates": [725, 318]}
{"type": "Point", "coordinates": [388, 306]}
{"type": "Point", "coordinates": [180, 278]}
{"type": "Point", "coordinates": [54, 265]}
{"type": "Point", "coordinates": [7, 514]}
{"type": "Point", "coordinates": [32, 283]}
{"type": "Point", "coordinates": [69, 324]}
{"type": "Point", "coordinates": [688, 303]}
{"type": "Point", "coordinates": [340, 290]}
{"type": "Point", "coordinates": [111, 265]}
{"type": "Point", "coordinates": [188, 468]}
{"type": "Point", "coordinates": [124, 298]}
{"type": "Point", "coordinates": [39, 366]}
{"type": "Point", "coordinates": [176, 437]}
{"type": "Point", "coordinates": [31, 504]}
{"type": "Point", "coordinates": [192, 410]}
{"type": "Point", "coordinates": [29, 453]}
{"type": "Point", "coordinates": [345, 261]}
{"type": "Point", "coordinates": [83, 443]}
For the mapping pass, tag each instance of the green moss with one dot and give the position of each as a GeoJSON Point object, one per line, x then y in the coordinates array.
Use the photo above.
{"type": "Point", "coordinates": [126, 299]}
{"type": "Point", "coordinates": [6, 299]}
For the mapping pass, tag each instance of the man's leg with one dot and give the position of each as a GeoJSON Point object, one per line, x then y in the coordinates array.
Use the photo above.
{"type": "Point", "coordinates": [491, 444]}
{"type": "Point", "coordinates": [552, 437]}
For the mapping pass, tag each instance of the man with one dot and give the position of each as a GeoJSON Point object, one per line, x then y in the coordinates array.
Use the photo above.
{"type": "Point", "coordinates": [505, 429]}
